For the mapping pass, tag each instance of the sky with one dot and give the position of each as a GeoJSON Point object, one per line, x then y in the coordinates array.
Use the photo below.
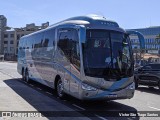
{"type": "Point", "coordinates": [128, 14]}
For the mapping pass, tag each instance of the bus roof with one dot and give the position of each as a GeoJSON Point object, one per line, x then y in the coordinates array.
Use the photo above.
{"type": "Point", "coordinates": [88, 20]}
{"type": "Point", "coordinates": [91, 21]}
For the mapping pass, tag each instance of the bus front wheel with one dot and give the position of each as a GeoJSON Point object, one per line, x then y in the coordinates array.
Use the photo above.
{"type": "Point", "coordinates": [136, 82]}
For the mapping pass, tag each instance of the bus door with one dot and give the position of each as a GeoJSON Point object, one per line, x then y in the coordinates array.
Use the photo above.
{"type": "Point", "coordinates": [69, 57]}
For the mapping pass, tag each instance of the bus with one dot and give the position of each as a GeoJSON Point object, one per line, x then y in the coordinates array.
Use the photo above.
{"type": "Point", "coordinates": [87, 57]}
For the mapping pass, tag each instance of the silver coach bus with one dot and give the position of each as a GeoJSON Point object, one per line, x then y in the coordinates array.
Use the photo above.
{"type": "Point", "coordinates": [87, 57]}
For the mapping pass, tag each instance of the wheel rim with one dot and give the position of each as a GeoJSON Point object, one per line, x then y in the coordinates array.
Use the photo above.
{"type": "Point", "coordinates": [60, 88]}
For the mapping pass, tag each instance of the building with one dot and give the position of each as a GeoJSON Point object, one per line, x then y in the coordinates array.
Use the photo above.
{"type": "Point", "coordinates": [3, 23]}
{"type": "Point", "coordinates": [13, 35]}
{"type": "Point", "coordinates": [9, 43]}
{"type": "Point", "coordinates": [152, 42]}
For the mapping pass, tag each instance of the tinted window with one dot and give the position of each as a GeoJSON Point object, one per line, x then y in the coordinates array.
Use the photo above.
{"type": "Point", "coordinates": [38, 39]}
{"type": "Point", "coordinates": [75, 52]}
{"type": "Point", "coordinates": [147, 67]}
{"type": "Point", "coordinates": [155, 66]}
{"type": "Point", "coordinates": [24, 43]}
{"type": "Point", "coordinates": [107, 54]}
{"type": "Point", "coordinates": [5, 35]}
{"type": "Point", "coordinates": [98, 39]}
{"type": "Point", "coordinates": [18, 37]}
{"type": "Point", "coordinates": [49, 38]}
{"type": "Point", "coordinates": [30, 42]}
{"type": "Point", "coordinates": [152, 66]}
{"type": "Point", "coordinates": [11, 42]}
{"type": "Point", "coordinates": [12, 35]}
{"type": "Point", "coordinates": [5, 42]}
{"type": "Point", "coordinates": [69, 45]}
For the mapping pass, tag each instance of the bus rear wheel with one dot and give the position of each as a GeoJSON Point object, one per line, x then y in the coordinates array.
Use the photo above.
{"type": "Point", "coordinates": [27, 76]}
{"type": "Point", "coordinates": [23, 75]}
{"type": "Point", "coordinates": [59, 88]}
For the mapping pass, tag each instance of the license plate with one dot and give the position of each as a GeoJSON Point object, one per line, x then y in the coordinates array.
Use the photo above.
{"type": "Point", "coordinates": [111, 96]}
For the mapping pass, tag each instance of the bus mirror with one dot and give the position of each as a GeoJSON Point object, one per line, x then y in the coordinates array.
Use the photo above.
{"type": "Point", "coordinates": [140, 36]}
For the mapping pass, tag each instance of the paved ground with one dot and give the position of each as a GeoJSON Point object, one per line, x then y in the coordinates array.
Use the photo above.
{"type": "Point", "coordinates": [16, 95]}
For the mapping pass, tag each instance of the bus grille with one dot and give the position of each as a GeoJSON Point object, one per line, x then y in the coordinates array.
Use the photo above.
{"type": "Point", "coordinates": [148, 78]}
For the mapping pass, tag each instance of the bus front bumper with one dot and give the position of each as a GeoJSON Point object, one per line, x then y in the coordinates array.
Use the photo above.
{"type": "Point", "coordinates": [98, 94]}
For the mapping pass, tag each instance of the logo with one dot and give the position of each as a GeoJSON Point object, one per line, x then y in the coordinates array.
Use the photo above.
{"type": "Point", "coordinates": [6, 114]}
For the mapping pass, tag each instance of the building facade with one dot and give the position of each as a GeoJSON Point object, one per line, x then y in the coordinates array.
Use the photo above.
{"type": "Point", "coordinates": [3, 23]}
{"type": "Point", "coordinates": [9, 43]}
{"type": "Point", "coordinates": [152, 42]}
{"type": "Point", "coordinates": [12, 37]}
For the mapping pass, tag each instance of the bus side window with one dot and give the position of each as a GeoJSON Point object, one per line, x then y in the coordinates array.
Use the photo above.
{"type": "Point", "coordinates": [69, 45]}
{"type": "Point", "coordinates": [48, 44]}
{"type": "Point", "coordinates": [64, 43]}
{"type": "Point", "coordinates": [37, 40]}
{"type": "Point", "coordinates": [75, 54]}
{"type": "Point", "coordinates": [49, 38]}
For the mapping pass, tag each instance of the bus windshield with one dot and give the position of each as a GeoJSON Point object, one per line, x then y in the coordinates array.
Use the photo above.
{"type": "Point", "coordinates": [107, 54]}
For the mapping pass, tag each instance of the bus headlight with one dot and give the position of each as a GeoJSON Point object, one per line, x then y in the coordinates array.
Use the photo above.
{"type": "Point", "coordinates": [88, 87]}
{"type": "Point", "coordinates": [131, 86]}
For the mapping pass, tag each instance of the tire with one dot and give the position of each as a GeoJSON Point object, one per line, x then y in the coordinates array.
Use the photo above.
{"type": "Point", "coordinates": [59, 89]}
{"type": "Point", "coordinates": [23, 75]}
{"type": "Point", "coordinates": [27, 76]}
{"type": "Point", "coordinates": [136, 83]}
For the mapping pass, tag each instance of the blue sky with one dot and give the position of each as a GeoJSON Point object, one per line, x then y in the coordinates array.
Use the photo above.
{"type": "Point", "coordinates": [128, 13]}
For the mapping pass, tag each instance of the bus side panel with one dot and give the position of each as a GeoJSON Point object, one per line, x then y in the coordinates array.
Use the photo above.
{"type": "Point", "coordinates": [62, 66]}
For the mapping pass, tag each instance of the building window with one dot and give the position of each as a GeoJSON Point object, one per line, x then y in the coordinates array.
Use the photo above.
{"type": "Point", "coordinates": [12, 35]}
{"type": "Point", "coordinates": [11, 42]}
{"type": "Point", "coordinates": [12, 49]}
{"type": "Point", "coordinates": [18, 37]}
{"type": "Point", "coordinates": [5, 35]}
{"type": "Point", "coordinates": [5, 49]}
{"type": "Point", "coordinates": [17, 43]}
{"type": "Point", "coordinates": [5, 42]}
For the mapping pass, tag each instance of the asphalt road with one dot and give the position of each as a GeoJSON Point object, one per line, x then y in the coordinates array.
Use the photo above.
{"type": "Point", "coordinates": [16, 95]}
